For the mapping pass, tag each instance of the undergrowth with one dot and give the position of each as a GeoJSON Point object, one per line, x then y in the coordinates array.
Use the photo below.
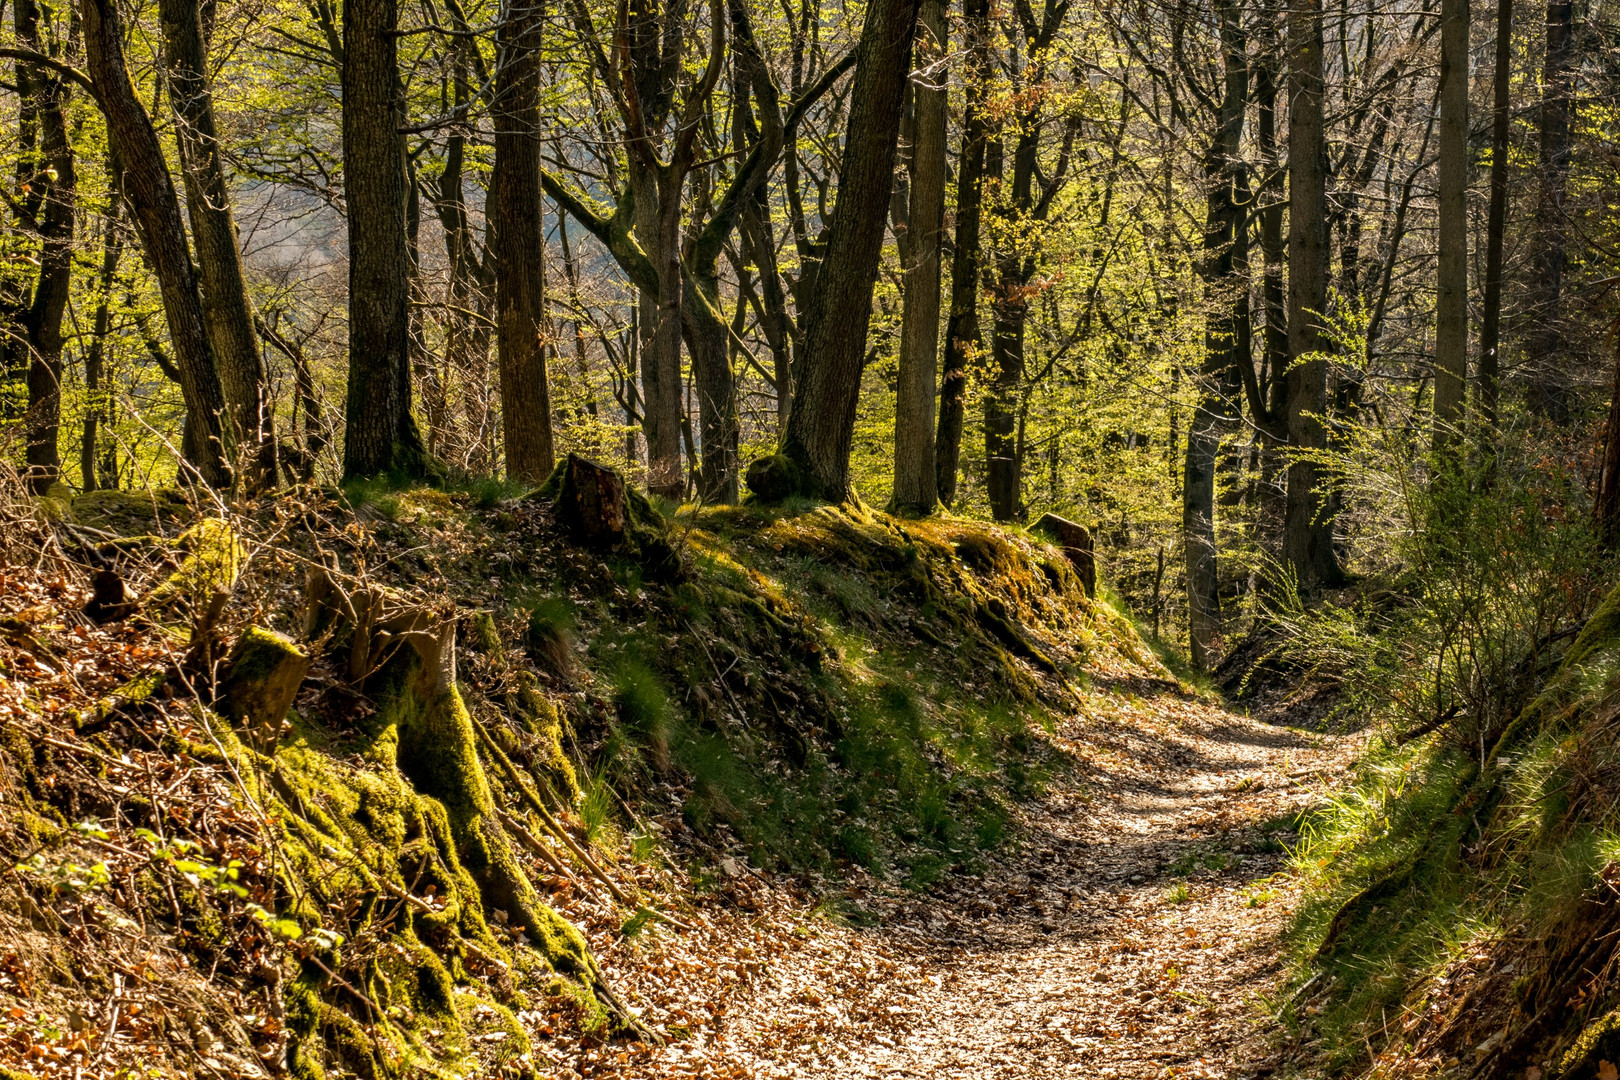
{"type": "Point", "coordinates": [1456, 912]}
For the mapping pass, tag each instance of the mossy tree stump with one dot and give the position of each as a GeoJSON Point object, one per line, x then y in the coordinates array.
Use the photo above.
{"type": "Point", "coordinates": [597, 508]}
{"type": "Point", "coordinates": [409, 667]}
{"type": "Point", "coordinates": [262, 677]}
{"type": "Point", "coordinates": [773, 478]}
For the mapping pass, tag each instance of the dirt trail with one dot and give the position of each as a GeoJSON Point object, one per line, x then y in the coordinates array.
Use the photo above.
{"type": "Point", "coordinates": [1129, 933]}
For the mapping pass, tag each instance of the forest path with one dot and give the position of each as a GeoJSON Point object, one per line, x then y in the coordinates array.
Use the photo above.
{"type": "Point", "coordinates": [1130, 932]}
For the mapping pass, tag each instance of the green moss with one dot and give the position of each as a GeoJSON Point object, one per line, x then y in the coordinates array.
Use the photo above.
{"type": "Point", "coordinates": [126, 512]}
{"type": "Point", "coordinates": [57, 502]}
{"type": "Point", "coordinates": [773, 478]}
{"type": "Point", "coordinates": [438, 751]}
{"type": "Point", "coordinates": [213, 559]}
{"type": "Point", "coordinates": [536, 712]}
{"type": "Point", "coordinates": [1601, 632]}
{"type": "Point", "coordinates": [323, 1034]}
{"type": "Point", "coordinates": [1599, 1040]}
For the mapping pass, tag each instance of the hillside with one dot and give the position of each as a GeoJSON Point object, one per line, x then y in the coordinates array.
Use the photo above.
{"type": "Point", "coordinates": [536, 799]}
{"type": "Point", "coordinates": [1459, 916]}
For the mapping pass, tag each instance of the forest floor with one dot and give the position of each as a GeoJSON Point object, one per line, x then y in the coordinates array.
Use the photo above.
{"type": "Point", "coordinates": [1133, 928]}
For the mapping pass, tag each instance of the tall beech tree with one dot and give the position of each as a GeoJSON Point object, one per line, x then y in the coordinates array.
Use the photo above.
{"type": "Point", "coordinates": [380, 434]}
{"type": "Point", "coordinates": [1307, 526]}
{"type": "Point", "coordinates": [519, 245]}
{"type": "Point", "coordinates": [52, 188]}
{"type": "Point", "coordinates": [962, 335]}
{"type": "Point", "coordinates": [1451, 285]}
{"type": "Point", "coordinates": [226, 308]}
{"type": "Point", "coordinates": [916, 483]}
{"type": "Point", "coordinates": [1546, 342]}
{"type": "Point", "coordinates": [758, 126]}
{"type": "Point", "coordinates": [817, 439]}
{"type": "Point", "coordinates": [1490, 330]}
{"type": "Point", "coordinates": [209, 442]}
{"type": "Point", "coordinates": [1029, 195]}
{"type": "Point", "coordinates": [1225, 327]}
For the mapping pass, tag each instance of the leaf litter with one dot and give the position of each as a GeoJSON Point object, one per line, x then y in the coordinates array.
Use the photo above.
{"type": "Point", "coordinates": [1132, 928]}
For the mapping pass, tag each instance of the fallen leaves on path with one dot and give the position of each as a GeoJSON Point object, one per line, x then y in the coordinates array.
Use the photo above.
{"type": "Point", "coordinates": [1130, 931]}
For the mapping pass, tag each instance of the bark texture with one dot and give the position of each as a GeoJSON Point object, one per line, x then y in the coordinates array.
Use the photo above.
{"type": "Point", "coordinates": [150, 190]}
{"type": "Point", "coordinates": [1490, 331]}
{"type": "Point", "coordinates": [226, 307]}
{"type": "Point", "coordinates": [962, 336]}
{"type": "Point", "coordinates": [1451, 284]}
{"type": "Point", "coordinates": [916, 483]}
{"type": "Point", "coordinates": [56, 187]}
{"type": "Point", "coordinates": [1307, 528]}
{"type": "Point", "coordinates": [822, 424]}
{"type": "Point", "coordinates": [380, 435]}
{"type": "Point", "coordinates": [1545, 344]}
{"type": "Point", "coordinates": [1217, 389]}
{"type": "Point", "coordinates": [520, 247]}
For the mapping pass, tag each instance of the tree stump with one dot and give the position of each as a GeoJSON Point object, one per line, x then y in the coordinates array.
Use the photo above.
{"type": "Point", "coordinates": [1075, 540]}
{"type": "Point", "coordinates": [773, 478]}
{"type": "Point", "coordinates": [591, 502]}
{"type": "Point", "coordinates": [262, 677]}
{"type": "Point", "coordinates": [110, 600]}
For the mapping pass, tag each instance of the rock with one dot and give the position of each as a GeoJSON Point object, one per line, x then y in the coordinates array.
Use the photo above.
{"type": "Point", "coordinates": [1075, 540]}
{"type": "Point", "coordinates": [773, 478]}
{"type": "Point", "coordinates": [262, 678]}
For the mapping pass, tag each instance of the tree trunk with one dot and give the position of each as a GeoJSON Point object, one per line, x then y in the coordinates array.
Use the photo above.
{"type": "Point", "coordinates": [520, 247]}
{"type": "Point", "coordinates": [97, 391]}
{"type": "Point", "coordinates": [1307, 529]}
{"type": "Point", "coordinates": [824, 403]}
{"type": "Point", "coordinates": [916, 483]}
{"type": "Point", "coordinates": [962, 337]}
{"type": "Point", "coordinates": [16, 289]}
{"type": "Point", "coordinates": [1451, 285]}
{"type": "Point", "coordinates": [707, 336]}
{"type": "Point", "coordinates": [1490, 331]}
{"type": "Point", "coordinates": [1271, 407]}
{"type": "Point", "coordinates": [1606, 506]}
{"type": "Point", "coordinates": [226, 306]}
{"type": "Point", "coordinates": [1003, 468]}
{"type": "Point", "coordinates": [657, 216]}
{"type": "Point", "coordinates": [1222, 166]}
{"type": "Point", "coordinates": [1006, 334]}
{"type": "Point", "coordinates": [759, 241]}
{"type": "Point", "coordinates": [380, 435]}
{"type": "Point", "coordinates": [149, 187]}
{"type": "Point", "coordinates": [1545, 343]}
{"type": "Point", "coordinates": [58, 189]}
